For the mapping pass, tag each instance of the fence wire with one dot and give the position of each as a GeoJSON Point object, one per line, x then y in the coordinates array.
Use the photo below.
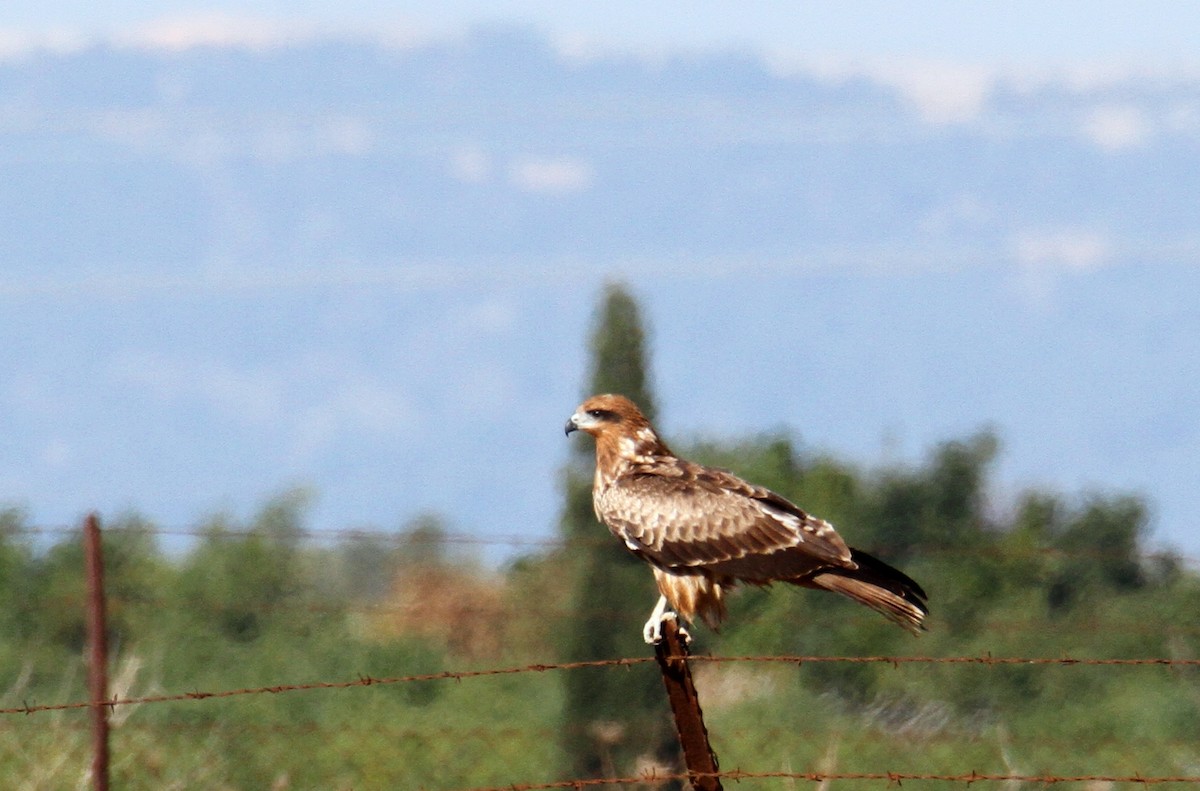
{"type": "Point", "coordinates": [401, 538]}
{"type": "Point", "coordinates": [895, 778]}
{"type": "Point", "coordinates": [460, 675]}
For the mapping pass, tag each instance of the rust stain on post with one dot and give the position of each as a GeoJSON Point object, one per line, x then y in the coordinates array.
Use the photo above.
{"type": "Point", "coordinates": [671, 653]}
{"type": "Point", "coordinates": [98, 651]}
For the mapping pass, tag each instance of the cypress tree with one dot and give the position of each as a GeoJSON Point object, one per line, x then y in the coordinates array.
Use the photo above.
{"type": "Point", "coordinates": [614, 718]}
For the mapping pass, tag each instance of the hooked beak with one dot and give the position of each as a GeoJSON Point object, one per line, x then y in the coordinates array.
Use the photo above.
{"type": "Point", "coordinates": [571, 425]}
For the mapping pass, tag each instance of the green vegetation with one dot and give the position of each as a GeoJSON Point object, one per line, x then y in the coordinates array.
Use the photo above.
{"type": "Point", "coordinates": [266, 603]}
{"type": "Point", "coordinates": [261, 603]}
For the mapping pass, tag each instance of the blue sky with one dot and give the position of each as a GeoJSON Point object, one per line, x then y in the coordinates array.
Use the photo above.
{"type": "Point", "coordinates": [203, 394]}
{"type": "Point", "coordinates": [1021, 34]}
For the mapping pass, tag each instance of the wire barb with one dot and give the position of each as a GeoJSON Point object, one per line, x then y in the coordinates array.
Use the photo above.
{"type": "Point", "coordinates": [893, 778]}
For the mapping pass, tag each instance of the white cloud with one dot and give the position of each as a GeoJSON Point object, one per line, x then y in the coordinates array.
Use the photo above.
{"type": "Point", "coordinates": [1092, 76]}
{"type": "Point", "coordinates": [253, 396]}
{"type": "Point", "coordinates": [962, 213]}
{"type": "Point", "coordinates": [941, 92]}
{"type": "Point", "coordinates": [1116, 127]}
{"type": "Point", "coordinates": [471, 165]}
{"type": "Point", "coordinates": [1183, 118]}
{"type": "Point", "coordinates": [1045, 257]}
{"type": "Point", "coordinates": [351, 406]}
{"type": "Point", "coordinates": [1072, 249]}
{"type": "Point", "coordinates": [16, 44]}
{"type": "Point", "coordinates": [278, 145]}
{"type": "Point", "coordinates": [348, 135]}
{"type": "Point", "coordinates": [278, 141]}
{"type": "Point", "coordinates": [57, 453]}
{"type": "Point", "coordinates": [551, 175]}
{"type": "Point", "coordinates": [217, 29]}
{"type": "Point", "coordinates": [309, 402]}
{"type": "Point", "coordinates": [955, 92]}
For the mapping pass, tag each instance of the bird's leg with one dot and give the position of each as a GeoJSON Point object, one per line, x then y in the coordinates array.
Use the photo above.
{"type": "Point", "coordinates": [652, 631]}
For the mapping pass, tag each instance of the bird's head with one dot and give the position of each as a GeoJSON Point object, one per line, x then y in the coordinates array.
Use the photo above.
{"type": "Point", "coordinates": [617, 423]}
{"type": "Point", "coordinates": [607, 413]}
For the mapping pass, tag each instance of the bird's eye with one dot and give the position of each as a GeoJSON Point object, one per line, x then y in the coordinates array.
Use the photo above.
{"type": "Point", "coordinates": [601, 414]}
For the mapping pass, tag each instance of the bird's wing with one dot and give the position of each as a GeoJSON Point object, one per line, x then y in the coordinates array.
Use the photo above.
{"type": "Point", "coordinates": [680, 514]}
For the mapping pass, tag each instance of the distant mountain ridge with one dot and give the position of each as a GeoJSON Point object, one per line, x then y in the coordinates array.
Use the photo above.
{"type": "Point", "coordinates": [495, 144]}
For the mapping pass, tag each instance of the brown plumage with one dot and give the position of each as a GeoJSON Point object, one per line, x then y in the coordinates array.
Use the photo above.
{"type": "Point", "coordinates": [703, 530]}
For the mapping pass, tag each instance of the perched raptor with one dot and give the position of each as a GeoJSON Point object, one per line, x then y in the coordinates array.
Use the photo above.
{"type": "Point", "coordinates": [703, 530]}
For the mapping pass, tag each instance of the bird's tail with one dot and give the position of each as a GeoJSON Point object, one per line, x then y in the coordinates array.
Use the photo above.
{"type": "Point", "coordinates": [879, 586]}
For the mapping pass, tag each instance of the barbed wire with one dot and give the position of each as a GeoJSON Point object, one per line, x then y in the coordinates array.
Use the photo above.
{"type": "Point", "coordinates": [399, 537]}
{"type": "Point", "coordinates": [985, 659]}
{"type": "Point", "coordinates": [361, 681]}
{"type": "Point", "coordinates": [895, 778]}
{"type": "Point", "coordinates": [402, 538]}
{"type": "Point", "coordinates": [459, 675]}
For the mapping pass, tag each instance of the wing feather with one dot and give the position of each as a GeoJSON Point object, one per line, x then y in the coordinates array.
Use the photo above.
{"type": "Point", "coordinates": [679, 514]}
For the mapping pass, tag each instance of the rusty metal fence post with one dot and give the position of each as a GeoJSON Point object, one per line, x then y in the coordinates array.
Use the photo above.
{"type": "Point", "coordinates": [671, 653]}
{"type": "Point", "coordinates": [97, 650]}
